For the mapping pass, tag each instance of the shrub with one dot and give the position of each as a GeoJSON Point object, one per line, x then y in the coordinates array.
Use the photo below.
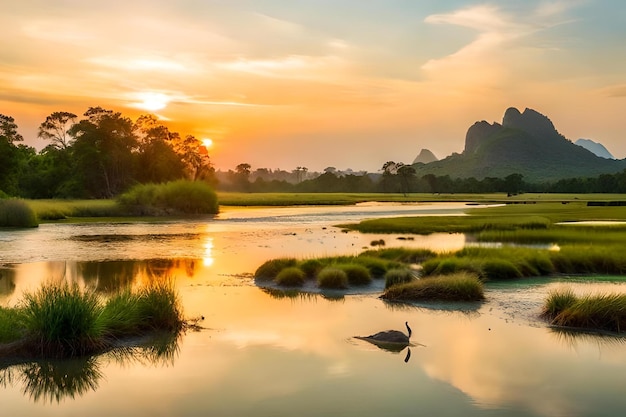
{"type": "Point", "coordinates": [357, 274]}
{"type": "Point", "coordinates": [16, 213]}
{"type": "Point", "coordinates": [398, 276]}
{"type": "Point", "coordinates": [270, 269]}
{"type": "Point", "coordinates": [332, 278]}
{"type": "Point", "coordinates": [291, 277]}
{"type": "Point", "coordinates": [457, 287]}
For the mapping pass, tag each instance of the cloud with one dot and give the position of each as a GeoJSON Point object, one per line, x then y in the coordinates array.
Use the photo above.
{"type": "Point", "coordinates": [504, 43]}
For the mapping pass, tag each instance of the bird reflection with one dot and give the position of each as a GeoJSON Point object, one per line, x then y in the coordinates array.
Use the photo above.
{"type": "Point", "coordinates": [53, 381]}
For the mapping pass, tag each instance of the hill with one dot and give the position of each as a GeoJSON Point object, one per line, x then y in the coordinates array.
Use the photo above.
{"type": "Point", "coordinates": [525, 143]}
{"type": "Point", "coordinates": [425, 157]}
{"type": "Point", "coordinates": [595, 147]}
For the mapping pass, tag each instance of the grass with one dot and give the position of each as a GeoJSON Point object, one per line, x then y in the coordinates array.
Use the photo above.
{"type": "Point", "coordinates": [290, 277]}
{"type": "Point", "coordinates": [63, 320]}
{"type": "Point", "coordinates": [456, 287]}
{"type": "Point", "coordinates": [605, 312]}
{"type": "Point", "coordinates": [270, 269]}
{"type": "Point", "coordinates": [398, 276]}
{"type": "Point", "coordinates": [332, 278]}
{"type": "Point", "coordinates": [357, 274]}
{"type": "Point", "coordinates": [174, 197]}
{"type": "Point", "coordinates": [17, 213]}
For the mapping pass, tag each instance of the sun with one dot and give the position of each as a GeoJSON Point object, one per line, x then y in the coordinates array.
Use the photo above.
{"type": "Point", "coordinates": [207, 142]}
{"type": "Point", "coordinates": [152, 101]}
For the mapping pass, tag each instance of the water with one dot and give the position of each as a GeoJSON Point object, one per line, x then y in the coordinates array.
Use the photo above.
{"type": "Point", "coordinates": [266, 355]}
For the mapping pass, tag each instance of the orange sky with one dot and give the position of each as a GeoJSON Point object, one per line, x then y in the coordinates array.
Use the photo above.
{"type": "Point", "coordinates": [319, 83]}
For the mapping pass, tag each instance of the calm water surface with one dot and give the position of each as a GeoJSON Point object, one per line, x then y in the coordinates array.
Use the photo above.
{"type": "Point", "coordinates": [266, 354]}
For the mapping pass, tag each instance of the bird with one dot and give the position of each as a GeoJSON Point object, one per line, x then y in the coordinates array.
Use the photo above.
{"type": "Point", "coordinates": [389, 337]}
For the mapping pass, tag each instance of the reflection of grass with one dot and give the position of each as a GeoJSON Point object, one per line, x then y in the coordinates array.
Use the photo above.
{"type": "Point", "coordinates": [456, 287]}
{"type": "Point", "coordinates": [63, 320]}
{"type": "Point", "coordinates": [599, 312]}
{"type": "Point", "coordinates": [55, 380]}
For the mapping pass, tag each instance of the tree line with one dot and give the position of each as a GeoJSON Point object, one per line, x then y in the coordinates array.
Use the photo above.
{"type": "Point", "coordinates": [98, 156]}
{"type": "Point", "coordinates": [104, 153]}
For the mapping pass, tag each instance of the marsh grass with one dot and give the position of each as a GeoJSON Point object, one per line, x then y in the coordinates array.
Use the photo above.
{"type": "Point", "coordinates": [62, 209]}
{"type": "Point", "coordinates": [63, 320]}
{"type": "Point", "coordinates": [290, 277]}
{"type": "Point", "coordinates": [270, 269]}
{"type": "Point", "coordinates": [17, 213]}
{"type": "Point", "coordinates": [403, 255]}
{"type": "Point", "coordinates": [456, 287]}
{"type": "Point", "coordinates": [174, 197]}
{"type": "Point", "coordinates": [332, 278]}
{"type": "Point", "coordinates": [398, 276]}
{"type": "Point", "coordinates": [596, 312]}
{"type": "Point", "coordinates": [357, 274]}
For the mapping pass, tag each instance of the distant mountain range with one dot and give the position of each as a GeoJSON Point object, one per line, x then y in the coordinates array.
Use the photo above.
{"type": "Point", "coordinates": [595, 147]}
{"type": "Point", "coordinates": [525, 143]}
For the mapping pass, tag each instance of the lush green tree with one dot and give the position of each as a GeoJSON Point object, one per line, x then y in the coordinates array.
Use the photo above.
{"type": "Point", "coordinates": [407, 177]}
{"type": "Point", "coordinates": [103, 150]}
{"type": "Point", "coordinates": [11, 158]}
{"type": "Point", "coordinates": [157, 161]}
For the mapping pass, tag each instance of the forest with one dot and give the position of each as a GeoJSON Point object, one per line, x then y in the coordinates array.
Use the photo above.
{"type": "Point", "coordinates": [105, 153]}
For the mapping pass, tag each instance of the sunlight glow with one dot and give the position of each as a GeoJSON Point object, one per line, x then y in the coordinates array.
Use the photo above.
{"type": "Point", "coordinates": [207, 142]}
{"type": "Point", "coordinates": [208, 259]}
{"type": "Point", "coordinates": [152, 101]}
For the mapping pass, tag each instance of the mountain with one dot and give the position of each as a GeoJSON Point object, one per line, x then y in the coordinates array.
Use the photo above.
{"type": "Point", "coordinates": [595, 147]}
{"type": "Point", "coordinates": [425, 157]}
{"type": "Point", "coordinates": [525, 143]}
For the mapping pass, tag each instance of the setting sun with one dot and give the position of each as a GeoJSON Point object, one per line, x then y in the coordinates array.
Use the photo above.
{"type": "Point", "coordinates": [207, 142]}
{"type": "Point", "coordinates": [152, 101]}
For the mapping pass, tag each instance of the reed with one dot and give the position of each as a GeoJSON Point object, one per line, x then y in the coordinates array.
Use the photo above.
{"type": "Point", "coordinates": [357, 274]}
{"type": "Point", "coordinates": [404, 255]}
{"type": "Point", "coordinates": [456, 287]}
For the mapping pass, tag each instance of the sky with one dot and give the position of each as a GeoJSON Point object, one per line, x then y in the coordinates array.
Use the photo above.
{"type": "Point", "coordinates": [319, 83]}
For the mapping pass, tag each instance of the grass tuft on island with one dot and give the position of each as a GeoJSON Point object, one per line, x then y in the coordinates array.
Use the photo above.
{"type": "Point", "coordinates": [63, 320]}
{"type": "Point", "coordinates": [174, 197]}
{"type": "Point", "coordinates": [461, 286]}
{"type": "Point", "coordinates": [604, 312]}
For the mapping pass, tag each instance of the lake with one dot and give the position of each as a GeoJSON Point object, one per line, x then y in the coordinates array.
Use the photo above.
{"type": "Point", "coordinates": [267, 353]}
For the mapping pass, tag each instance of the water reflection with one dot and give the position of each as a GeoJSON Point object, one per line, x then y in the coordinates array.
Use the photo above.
{"type": "Point", "coordinates": [52, 381]}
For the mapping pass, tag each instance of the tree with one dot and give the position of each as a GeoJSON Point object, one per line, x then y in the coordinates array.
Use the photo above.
{"type": "Point", "coordinates": [300, 173]}
{"type": "Point", "coordinates": [407, 176]}
{"type": "Point", "coordinates": [157, 161]}
{"type": "Point", "coordinates": [103, 150]}
{"type": "Point", "coordinates": [195, 157]}
{"type": "Point", "coordinates": [56, 129]}
{"type": "Point", "coordinates": [10, 155]}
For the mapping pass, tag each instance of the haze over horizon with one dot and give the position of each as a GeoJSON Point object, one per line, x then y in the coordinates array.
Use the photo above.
{"type": "Point", "coordinates": [317, 83]}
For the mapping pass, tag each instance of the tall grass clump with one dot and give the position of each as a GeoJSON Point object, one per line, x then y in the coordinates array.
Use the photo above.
{"type": "Point", "coordinates": [377, 267]}
{"type": "Point", "coordinates": [594, 312]}
{"type": "Point", "coordinates": [290, 277]}
{"type": "Point", "coordinates": [16, 213]}
{"type": "Point", "coordinates": [311, 267]}
{"type": "Point", "coordinates": [174, 197]}
{"type": "Point", "coordinates": [357, 274]}
{"type": "Point", "coordinates": [11, 324]}
{"type": "Point", "coordinates": [398, 276]}
{"type": "Point", "coordinates": [332, 278]}
{"type": "Point", "coordinates": [63, 320]}
{"type": "Point", "coordinates": [461, 286]}
{"type": "Point", "coordinates": [159, 307]}
{"type": "Point", "coordinates": [405, 255]}
{"type": "Point", "coordinates": [270, 269]}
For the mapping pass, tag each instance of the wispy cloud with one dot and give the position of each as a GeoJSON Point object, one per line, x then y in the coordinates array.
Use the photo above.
{"type": "Point", "coordinates": [502, 38]}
